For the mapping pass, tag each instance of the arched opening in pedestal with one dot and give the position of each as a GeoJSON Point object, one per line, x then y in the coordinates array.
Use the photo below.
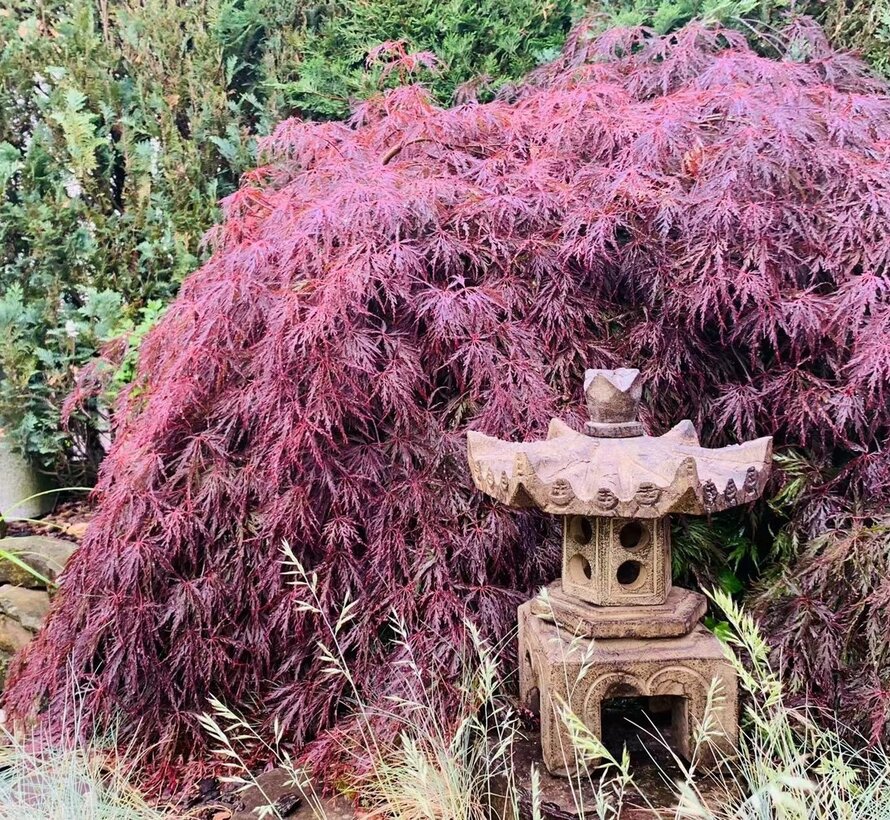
{"type": "Point", "coordinates": [648, 726]}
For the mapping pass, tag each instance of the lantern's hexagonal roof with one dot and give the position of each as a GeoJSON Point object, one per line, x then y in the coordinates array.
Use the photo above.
{"type": "Point", "coordinates": [637, 476]}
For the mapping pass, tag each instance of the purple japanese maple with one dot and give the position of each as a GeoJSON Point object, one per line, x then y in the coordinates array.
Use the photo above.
{"type": "Point", "coordinates": [678, 204]}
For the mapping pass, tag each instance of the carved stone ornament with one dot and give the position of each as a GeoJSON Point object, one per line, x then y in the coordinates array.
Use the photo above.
{"type": "Point", "coordinates": [614, 627]}
{"type": "Point", "coordinates": [557, 668]}
{"type": "Point", "coordinates": [637, 476]}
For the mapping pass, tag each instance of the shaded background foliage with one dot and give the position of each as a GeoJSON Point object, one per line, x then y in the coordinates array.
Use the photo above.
{"type": "Point", "coordinates": [116, 142]}
{"type": "Point", "coordinates": [863, 25]}
{"type": "Point", "coordinates": [681, 204]}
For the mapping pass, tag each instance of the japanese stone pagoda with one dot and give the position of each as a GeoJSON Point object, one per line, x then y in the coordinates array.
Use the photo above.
{"type": "Point", "coordinates": [614, 626]}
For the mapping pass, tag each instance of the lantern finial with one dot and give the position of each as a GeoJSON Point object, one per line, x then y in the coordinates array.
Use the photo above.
{"type": "Point", "coordinates": [613, 401]}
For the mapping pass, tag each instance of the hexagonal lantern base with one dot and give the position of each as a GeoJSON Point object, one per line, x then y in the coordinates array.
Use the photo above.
{"type": "Point", "coordinates": [675, 617]}
{"type": "Point", "coordinates": [675, 673]}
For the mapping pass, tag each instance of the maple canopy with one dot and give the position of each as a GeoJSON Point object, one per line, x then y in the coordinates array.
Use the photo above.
{"type": "Point", "coordinates": [679, 204]}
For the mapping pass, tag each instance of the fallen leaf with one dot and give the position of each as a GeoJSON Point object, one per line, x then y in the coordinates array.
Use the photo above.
{"type": "Point", "coordinates": [77, 530]}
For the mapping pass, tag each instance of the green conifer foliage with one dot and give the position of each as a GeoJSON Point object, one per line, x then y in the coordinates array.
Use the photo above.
{"type": "Point", "coordinates": [486, 44]}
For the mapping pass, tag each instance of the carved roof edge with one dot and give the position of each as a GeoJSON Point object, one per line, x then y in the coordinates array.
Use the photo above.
{"type": "Point", "coordinates": [689, 479]}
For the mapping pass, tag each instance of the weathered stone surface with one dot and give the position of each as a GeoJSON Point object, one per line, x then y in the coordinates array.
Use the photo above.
{"type": "Point", "coordinates": [675, 617]}
{"type": "Point", "coordinates": [276, 787]}
{"type": "Point", "coordinates": [554, 665]}
{"type": "Point", "coordinates": [47, 556]}
{"type": "Point", "coordinates": [613, 402]}
{"type": "Point", "coordinates": [635, 476]}
{"type": "Point", "coordinates": [18, 481]}
{"type": "Point", "coordinates": [27, 606]}
{"type": "Point", "coordinates": [77, 530]}
{"type": "Point", "coordinates": [13, 636]}
{"type": "Point", "coordinates": [333, 808]}
{"type": "Point", "coordinates": [616, 561]}
{"type": "Point", "coordinates": [614, 628]}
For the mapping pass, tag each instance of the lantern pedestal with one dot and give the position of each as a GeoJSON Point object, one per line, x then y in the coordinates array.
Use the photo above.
{"type": "Point", "coordinates": [675, 674]}
{"type": "Point", "coordinates": [671, 619]}
{"type": "Point", "coordinates": [537, 793]}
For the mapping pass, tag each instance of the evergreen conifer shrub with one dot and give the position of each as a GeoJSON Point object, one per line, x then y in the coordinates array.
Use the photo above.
{"type": "Point", "coordinates": [377, 287]}
{"type": "Point", "coordinates": [861, 25]}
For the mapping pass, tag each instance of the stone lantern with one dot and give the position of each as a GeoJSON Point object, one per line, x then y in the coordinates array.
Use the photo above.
{"type": "Point", "coordinates": [614, 626]}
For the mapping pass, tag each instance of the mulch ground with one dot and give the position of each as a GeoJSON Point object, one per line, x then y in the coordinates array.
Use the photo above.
{"type": "Point", "coordinates": [68, 520]}
{"type": "Point", "coordinates": [276, 786]}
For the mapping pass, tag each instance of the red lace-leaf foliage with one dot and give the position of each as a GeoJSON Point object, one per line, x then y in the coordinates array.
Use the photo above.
{"type": "Point", "coordinates": [828, 622]}
{"type": "Point", "coordinates": [680, 204]}
{"type": "Point", "coordinates": [393, 55]}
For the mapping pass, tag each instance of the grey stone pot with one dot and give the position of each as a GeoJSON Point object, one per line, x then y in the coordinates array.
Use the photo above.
{"type": "Point", "coordinates": [18, 481]}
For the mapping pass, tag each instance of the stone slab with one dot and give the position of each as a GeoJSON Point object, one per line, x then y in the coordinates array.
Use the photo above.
{"type": "Point", "coordinates": [677, 616]}
{"type": "Point", "coordinates": [27, 606]}
{"type": "Point", "coordinates": [277, 786]}
{"type": "Point", "coordinates": [47, 556]}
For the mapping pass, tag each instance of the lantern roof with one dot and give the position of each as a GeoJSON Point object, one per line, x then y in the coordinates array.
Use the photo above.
{"type": "Point", "coordinates": [613, 468]}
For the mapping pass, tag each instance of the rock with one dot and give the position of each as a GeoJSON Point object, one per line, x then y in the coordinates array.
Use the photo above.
{"type": "Point", "coordinates": [77, 530]}
{"type": "Point", "coordinates": [275, 787]}
{"type": "Point", "coordinates": [27, 606]}
{"type": "Point", "coordinates": [13, 636]}
{"type": "Point", "coordinates": [46, 556]}
{"type": "Point", "coordinates": [278, 787]}
{"type": "Point", "coordinates": [5, 658]}
{"type": "Point", "coordinates": [335, 808]}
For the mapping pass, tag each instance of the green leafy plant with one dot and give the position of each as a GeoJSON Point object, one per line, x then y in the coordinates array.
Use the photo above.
{"type": "Point", "coordinates": [109, 179]}
{"type": "Point", "coordinates": [39, 360]}
{"type": "Point", "coordinates": [862, 26]}
{"type": "Point", "coordinates": [479, 46]}
{"type": "Point", "coordinates": [667, 15]}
